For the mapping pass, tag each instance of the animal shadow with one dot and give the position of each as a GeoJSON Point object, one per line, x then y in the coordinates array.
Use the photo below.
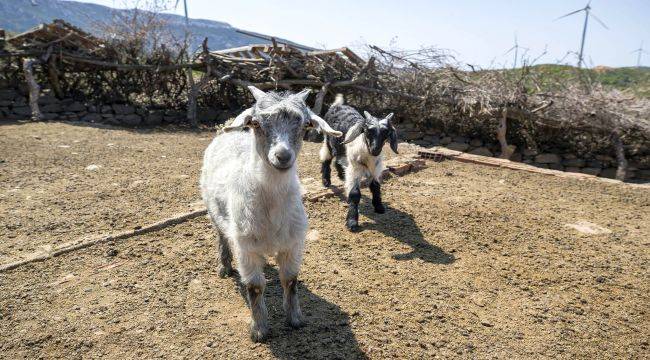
{"type": "Point", "coordinates": [402, 227]}
{"type": "Point", "coordinates": [326, 334]}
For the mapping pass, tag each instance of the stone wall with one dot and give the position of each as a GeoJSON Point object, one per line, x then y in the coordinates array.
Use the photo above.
{"type": "Point", "coordinates": [14, 106]}
{"type": "Point", "coordinates": [599, 165]}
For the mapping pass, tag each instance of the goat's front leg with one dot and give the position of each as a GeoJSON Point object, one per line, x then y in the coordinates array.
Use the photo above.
{"type": "Point", "coordinates": [251, 269]}
{"type": "Point", "coordinates": [289, 265]}
{"type": "Point", "coordinates": [354, 196]}
{"type": "Point", "coordinates": [375, 188]}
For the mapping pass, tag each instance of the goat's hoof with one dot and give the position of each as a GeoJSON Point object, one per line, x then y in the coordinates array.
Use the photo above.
{"type": "Point", "coordinates": [380, 209]}
{"type": "Point", "coordinates": [327, 183]}
{"type": "Point", "coordinates": [224, 271]}
{"type": "Point", "coordinates": [258, 334]}
{"type": "Point", "coordinates": [353, 226]}
{"type": "Point", "coordinates": [295, 322]}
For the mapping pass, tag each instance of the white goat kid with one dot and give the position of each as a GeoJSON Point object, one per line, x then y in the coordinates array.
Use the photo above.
{"type": "Point", "coordinates": [250, 186]}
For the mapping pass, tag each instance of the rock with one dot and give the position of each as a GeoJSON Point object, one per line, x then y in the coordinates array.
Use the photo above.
{"type": "Point", "coordinates": [547, 158]}
{"type": "Point", "coordinates": [49, 116]}
{"type": "Point", "coordinates": [8, 94]}
{"type": "Point", "coordinates": [461, 139]}
{"type": "Point", "coordinates": [541, 165]}
{"type": "Point", "coordinates": [6, 103]}
{"type": "Point", "coordinates": [51, 108]}
{"type": "Point", "coordinates": [516, 157]}
{"type": "Point", "coordinates": [131, 119]}
{"type": "Point", "coordinates": [604, 158]}
{"type": "Point", "coordinates": [111, 252]}
{"type": "Point", "coordinates": [106, 109]}
{"type": "Point", "coordinates": [458, 146]}
{"type": "Point", "coordinates": [572, 169]}
{"type": "Point", "coordinates": [556, 167]}
{"type": "Point", "coordinates": [92, 108]}
{"type": "Point", "coordinates": [207, 114]}
{"type": "Point", "coordinates": [569, 156]}
{"type": "Point", "coordinates": [643, 174]}
{"type": "Point", "coordinates": [476, 143]}
{"type": "Point", "coordinates": [609, 173]}
{"type": "Point", "coordinates": [575, 162]}
{"type": "Point", "coordinates": [22, 110]}
{"type": "Point", "coordinates": [92, 167]}
{"type": "Point", "coordinates": [482, 151]}
{"type": "Point", "coordinates": [410, 135]}
{"type": "Point", "coordinates": [171, 119]}
{"type": "Point", "coordinates": [92, 118]}
{"type": "Point", "coordinates": [153, 118]}
{"type": "Point", "coordinates": [591, 170]}
{"type": "Point", "coordinates": [445, 140]}
{"type": "Point", "coordinates": [529, 152]}
{"type": "Point", "coordinates": [595, 164]}
{"type": "Point", "coordinates": [47, 100]}
{"type": "Point", "coordinates": [121, 109]}
{"type": "Point", "coordinates": [75, 107]}
{"type": "Point", "coordinates": [433, 140]}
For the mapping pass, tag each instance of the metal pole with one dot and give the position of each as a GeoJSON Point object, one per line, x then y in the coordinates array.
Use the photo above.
{"type": "Point", "coordinates": [584, 34]}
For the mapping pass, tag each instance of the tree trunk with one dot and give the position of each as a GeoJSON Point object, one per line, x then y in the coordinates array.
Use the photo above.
{"type": "Point", "coordinates": [621, 171]}
{"type": "Point", "coordinates": [318, 105]}
{"type": "Point", "coordinates": [191, 99]}
{"type": "Point", "coordinates": [53, 75]}
{"type": "Point", "coordinates": [506, 150]}
{"type": "Point", "coordinates": [34, 89]}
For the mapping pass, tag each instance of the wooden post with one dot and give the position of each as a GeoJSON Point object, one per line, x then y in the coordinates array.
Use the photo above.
{"type": "Point", "coordinates": [53, 75]}
{"type": "Point", "coordinates": [506, 150]}
{"type": "Point", "coordinates": [621, 171]}
{"type": "Point", "coordinates": [318, 104]}
{"type": "Point", "coordinates": [34, 89]}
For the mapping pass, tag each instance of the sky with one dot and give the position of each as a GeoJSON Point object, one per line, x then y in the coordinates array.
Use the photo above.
{"type": "Point", "coordinates": [474, 31]}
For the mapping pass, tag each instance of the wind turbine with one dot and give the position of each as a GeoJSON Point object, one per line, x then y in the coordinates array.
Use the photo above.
{"type": "Point", "coordinates": [639, 51]}
{"type": "Point", "coordinates": [587, 10]}
{"type": "Point", "coordinates": [516, 49]}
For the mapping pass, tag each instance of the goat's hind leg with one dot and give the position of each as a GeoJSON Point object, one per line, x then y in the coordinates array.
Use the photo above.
{"type": "Point", "coordinates": [325, 155]}
{"type": "Point", "coordinates": [225, 256]}
{"type": "Point", "coordinates": [340, 170]}
{"type": "Point", "coordinates": [289, 264]}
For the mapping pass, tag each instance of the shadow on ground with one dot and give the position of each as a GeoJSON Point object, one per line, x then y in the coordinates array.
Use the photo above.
{"type": "Point", "coordinates": [326, 335]}
{"type": "Point", "coordinates": [402, 227]}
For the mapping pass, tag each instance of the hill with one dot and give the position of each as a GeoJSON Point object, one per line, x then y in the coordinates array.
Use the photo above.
{"type": "Point", "coordinates": [25, 15]}
{"type": "Point", "coordinates": [636, 80]}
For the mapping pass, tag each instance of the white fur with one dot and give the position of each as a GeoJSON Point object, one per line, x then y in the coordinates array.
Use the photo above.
{"type": "Point", "coordinates": [324, 154]}
{"type": "Point", "coordinates": [361, 164]}
{"type": "Point", "coordinates": [258, 208]}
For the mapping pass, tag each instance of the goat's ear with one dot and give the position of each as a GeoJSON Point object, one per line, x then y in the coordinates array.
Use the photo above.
{"type": "Point", "coordinates": [322, 126]}
{"type": "Point", "coordinates": [257, 93]}
{"type": "Point", "coordinates": [304, 94]}
{"type": "Point", "coordinates": [241, 121]}
{"type": "Point", "coordinates": [389, 117]}
{"type": "Point", "coordinates": [354, 132]}
{"type": "Point", "coordinates": [392, 135]}
{"type": "Point", "coordinates": [367, 115]}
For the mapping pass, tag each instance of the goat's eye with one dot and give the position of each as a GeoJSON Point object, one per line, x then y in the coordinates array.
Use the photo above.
{"type": "Point", "coordinates": [255, 124]}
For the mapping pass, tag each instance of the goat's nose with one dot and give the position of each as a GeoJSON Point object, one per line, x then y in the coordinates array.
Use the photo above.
{"type": "Point", "coordinates": [283, 155]}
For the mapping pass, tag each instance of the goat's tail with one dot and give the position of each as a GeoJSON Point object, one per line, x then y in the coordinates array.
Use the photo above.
{"type": "Point", "coordinates": [340, 100]}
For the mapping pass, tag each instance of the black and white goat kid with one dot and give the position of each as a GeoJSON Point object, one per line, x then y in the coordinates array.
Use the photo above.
{"type": "Point", "coordinates": [358, 156]}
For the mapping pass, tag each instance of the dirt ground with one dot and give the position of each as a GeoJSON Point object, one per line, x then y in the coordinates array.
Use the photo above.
{"type": "Point", "coordinates": [469, 261]}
